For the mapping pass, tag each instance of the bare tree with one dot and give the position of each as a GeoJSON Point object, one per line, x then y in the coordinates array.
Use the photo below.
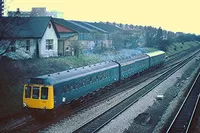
{"type": "Point", "coordinates": [6, 31]}
{"type": "Point", "coordinates": [10, 29]}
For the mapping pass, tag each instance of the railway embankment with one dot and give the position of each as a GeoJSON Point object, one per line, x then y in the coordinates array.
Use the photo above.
{"type": "Point", "coordinates": [14, 73]}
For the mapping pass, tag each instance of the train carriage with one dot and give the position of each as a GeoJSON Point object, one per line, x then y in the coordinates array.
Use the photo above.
{"type": "Point", "coordinates": [50, 91]}
{"type": "Point", "coordinates": [133, 65]}
{"type": "Point", "coordinates": [156, 58]}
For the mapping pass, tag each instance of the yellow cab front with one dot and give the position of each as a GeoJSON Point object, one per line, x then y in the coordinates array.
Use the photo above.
{"type": "Point", "coordinates": [38, 96]}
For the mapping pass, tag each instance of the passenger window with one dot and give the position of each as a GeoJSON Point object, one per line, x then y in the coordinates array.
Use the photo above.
{"type": "Point", "coordinates": [35, 92]}
{"type": "Point", "coordinates": [28, 92]}
{"type": "Point", "coordinates": [44, 93]}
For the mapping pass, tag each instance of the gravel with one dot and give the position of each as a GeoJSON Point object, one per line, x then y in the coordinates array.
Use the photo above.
{"type": "Point", "coordinates": [147, 115]}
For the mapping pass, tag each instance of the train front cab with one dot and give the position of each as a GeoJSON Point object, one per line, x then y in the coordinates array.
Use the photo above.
{"type": "Point", "coordinates": [38, 96]}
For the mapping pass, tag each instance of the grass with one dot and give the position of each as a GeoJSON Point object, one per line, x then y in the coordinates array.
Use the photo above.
{"type": "Point", "coordinates": [178, 47]}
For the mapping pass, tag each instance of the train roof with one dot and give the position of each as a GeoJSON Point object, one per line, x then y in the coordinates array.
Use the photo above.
{"type": "Point", "coordinates": [133, 59]}
{"type": "Point", "coordinates": [155, 53]}
{"type": "Point", "coordinates": [55, 78]}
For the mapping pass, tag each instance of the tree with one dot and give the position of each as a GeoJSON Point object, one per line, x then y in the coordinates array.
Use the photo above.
{"type": "Point", "coordinates": [117, 40]}
{"type": "Point", "coordinates": [150, 33]}
{"type": "Point", "coordinates": [99, 40]}
{"type": "Point", "coordinates": [131, 41]}
{"type": "Point", "coordinates": [124, 39]}
{"type": "Point", "coordinates": [5, 28]}
{"type": "Point", "coordinates": [171, 37]}
{"type": "Point", "coordinates": [99, 37]}
{"type": "Point", "coordinates": [76, 47]}
{"type": "Point", "coordinates": [161, 44]}
{"type": "Point", "coordinates": [10, 28]}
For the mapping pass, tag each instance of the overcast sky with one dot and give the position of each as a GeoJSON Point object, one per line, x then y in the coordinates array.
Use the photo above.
{"type": "Point", "coordinates": [173, 15]}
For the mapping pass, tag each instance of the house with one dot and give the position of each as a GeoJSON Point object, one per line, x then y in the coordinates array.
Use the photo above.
{"type": "Point", "coordinates": [48, 37]}
{"type": "Point", "coordinates": [36, 36]}
{"type": "Point", "coordinates": [109, 28]}
{"type": "Point", "coordinates": [88, 35]}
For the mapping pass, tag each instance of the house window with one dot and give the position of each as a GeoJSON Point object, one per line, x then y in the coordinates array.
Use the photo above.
{"type": "Point", "coordinates": [49, 44]}
{"type": "Point", "coordinates": [27, 45]}
{"type": "Point", "coordinates": [67, 48]}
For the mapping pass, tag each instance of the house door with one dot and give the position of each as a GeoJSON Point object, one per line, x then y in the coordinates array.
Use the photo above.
{"type": "Point", "coordinates": [61, 47]}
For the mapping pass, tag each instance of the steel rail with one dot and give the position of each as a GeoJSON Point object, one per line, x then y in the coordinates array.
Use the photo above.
{"type": "Point", "coordinates": [184, 116]}
{"type": "Point", "coordinates": [90, 127]}
{"type": "Point", "coordinates": [40, 127]}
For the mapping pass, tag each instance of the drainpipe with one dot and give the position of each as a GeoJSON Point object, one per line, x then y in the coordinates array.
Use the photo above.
{"type": "Point", "coordinates": [37, 48]}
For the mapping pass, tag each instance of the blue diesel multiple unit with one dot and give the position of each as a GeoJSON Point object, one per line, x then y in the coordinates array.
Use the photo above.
{"type": "Point", "coordinates": [51, 91]}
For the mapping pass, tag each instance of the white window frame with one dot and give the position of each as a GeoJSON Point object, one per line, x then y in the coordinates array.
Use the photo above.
{"type": "Point", "coordinates": [49, 44]}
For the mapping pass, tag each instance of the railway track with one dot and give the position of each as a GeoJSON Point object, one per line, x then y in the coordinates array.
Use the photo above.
{"type": "Point", "coordinates": [182, 121]}
{"type": "Point", "coordinates": [34, 125]}
{"type": "Point", "coordinates": [103, 119]}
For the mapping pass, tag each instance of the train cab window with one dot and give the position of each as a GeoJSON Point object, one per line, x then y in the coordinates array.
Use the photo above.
{"type": "Point", "coordinates": [44, 93]}
{"type": "Point", "coordinates": [35, 92]}
{"type": "Point", "coordinates": [28, 92]}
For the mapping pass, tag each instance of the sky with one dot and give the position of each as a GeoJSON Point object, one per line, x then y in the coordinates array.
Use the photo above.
{"type": "Point", "coordinates": [171, 15]}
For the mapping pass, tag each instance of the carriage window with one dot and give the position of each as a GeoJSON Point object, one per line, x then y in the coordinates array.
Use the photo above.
{"type": "Point", "coordinates": [91, 81]}
{"type": "Point", "coordinates": [44, 93]}
{"type": "Point", "coordinates": [28, 92]}
{"type": "Point", "coordinates": [35, 92]}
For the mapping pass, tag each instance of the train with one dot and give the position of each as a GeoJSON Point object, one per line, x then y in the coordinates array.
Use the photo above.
{"type": "Point", "coordinates": [48, 92]}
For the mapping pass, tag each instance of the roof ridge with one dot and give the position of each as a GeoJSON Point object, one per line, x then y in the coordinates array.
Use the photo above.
{"type": "Point", "coordinates": [73, 22]}
{"type": "Point", "coordinates": [95, 27]}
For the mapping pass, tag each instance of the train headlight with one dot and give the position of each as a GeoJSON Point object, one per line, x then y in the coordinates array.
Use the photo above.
{"type": "Point", "coordinates": [63, 99]}
{"type": "Point", "coordinates": [24, 105]}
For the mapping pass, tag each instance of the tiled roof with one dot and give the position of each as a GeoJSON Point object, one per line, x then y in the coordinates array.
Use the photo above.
{"type": "Point", "coordinates": [66, 35]}
{"type": "Point", "coordinates": [90, 26]}
{"type": "Point", "coordinates": [80, 26]}
{"type": "Point", "coordinates": [70, 25]}
{"type": "Point", "coordinates": [107, 27]}
{"type": "Point", "coordinates": [24, 27]}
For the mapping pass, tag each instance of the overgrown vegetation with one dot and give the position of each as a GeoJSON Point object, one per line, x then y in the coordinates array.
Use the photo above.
{"type": "Point", "coordinates": [149, 36]}
{"type": "Point", "coordinates": [178, 47]}
{"type": "Point", "coordinates": [15, 73]}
